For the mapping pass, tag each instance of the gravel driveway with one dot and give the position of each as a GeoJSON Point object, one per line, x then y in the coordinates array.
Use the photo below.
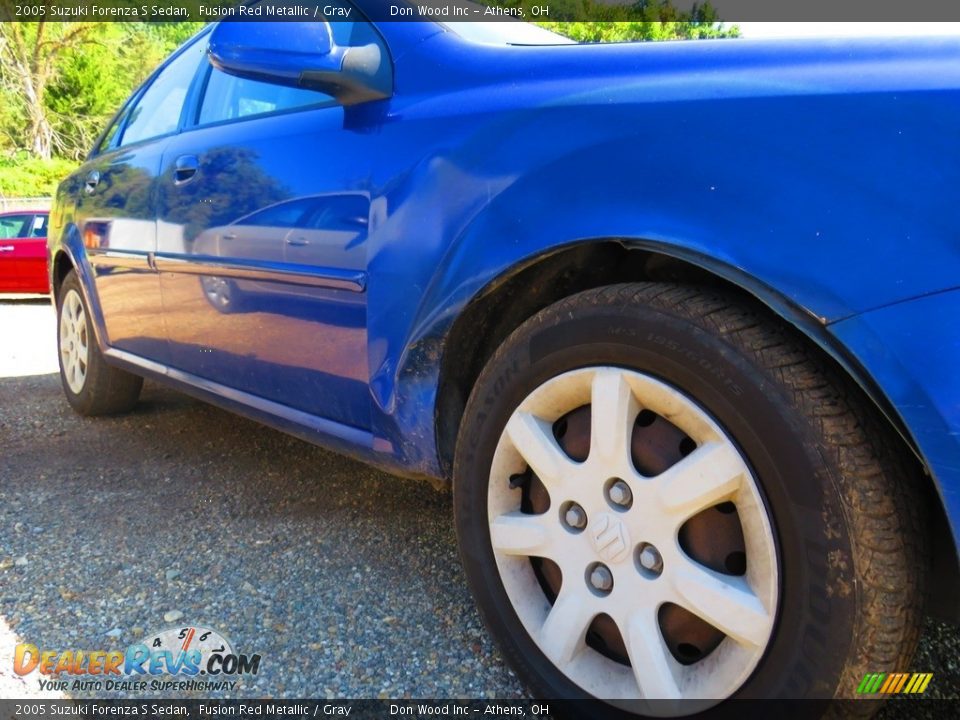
{"type": "Point", "coordinates": [345, 579]}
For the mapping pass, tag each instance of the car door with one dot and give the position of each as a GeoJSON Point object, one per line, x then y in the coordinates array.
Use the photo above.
{"type": "Point", "coordinates": [14, 227]}
{"type": "Point", "coordinates": [296, 334]}
{"type": "Point", "coordinates": [33, 251]}
{"type": "Point", "coordinates": [116, 210]}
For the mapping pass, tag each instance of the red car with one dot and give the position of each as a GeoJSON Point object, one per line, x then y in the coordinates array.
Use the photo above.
{"type": "Point", "coordinates": [23, 252]}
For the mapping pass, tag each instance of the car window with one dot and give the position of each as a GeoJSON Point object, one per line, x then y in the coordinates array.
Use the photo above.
{"type": "Point", "coordinates": [13, 226]}
{"type": "Point", "coordinates": [111, 133]}
{"type": "Point", "coordinates": [353, 34]}
{"type": "Point", "coordinates": [157, 112]}
{"type": "Point", "coordinates": [339, 213]}
{"type": "Point", "coordinates": [227, 97]}
{"type": "Point", "coordinates": [285, 214]}
{"type": "Point", "coordinates": [39, 226]}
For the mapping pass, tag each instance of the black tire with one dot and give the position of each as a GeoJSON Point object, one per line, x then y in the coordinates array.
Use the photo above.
{"type": "Point", "coordinates": [105, 390]}
{"type": "Point", "coordinates": [843, 500]}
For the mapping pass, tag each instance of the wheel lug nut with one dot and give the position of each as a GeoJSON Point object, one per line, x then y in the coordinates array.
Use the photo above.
{"type": "Point", "coordinates": [575, 517]}
{"type": "Point", "coordinates": [650, 560]}
{"type": "Point", "coordinates": [619, 493]}
{"type": "Point", "coordinates": [601, 578]}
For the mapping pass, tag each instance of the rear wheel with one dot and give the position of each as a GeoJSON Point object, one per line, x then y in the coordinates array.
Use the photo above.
{"type": "Point", "coordinates": [92, 387]}
{"type": "Point", "coordinates": [663, 501]}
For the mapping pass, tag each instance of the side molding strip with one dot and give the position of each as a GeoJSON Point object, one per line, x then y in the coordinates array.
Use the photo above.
{"type": "Point", "coordinates": [120, 259]}
{"type": "Point", "coordinates": [312, 276]}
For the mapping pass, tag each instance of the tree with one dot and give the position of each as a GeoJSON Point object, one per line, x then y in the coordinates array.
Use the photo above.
{"type": "Point", "coordinates": [30, 57]}
{"type": "Point", "coordinates": [61, 82]}
{"type": "Point", "coordinates": [98, 76]}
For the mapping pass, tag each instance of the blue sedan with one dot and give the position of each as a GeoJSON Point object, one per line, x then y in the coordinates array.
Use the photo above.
{"type": "Point", "coordinates": [679, 322]}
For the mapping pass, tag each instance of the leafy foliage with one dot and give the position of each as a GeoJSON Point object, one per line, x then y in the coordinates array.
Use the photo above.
{"type": "Point", "coordinates": [22, 175]}
{"type": "Point", "coordinates": [633, 31]}
{"type": "Point", "coordinates": [78, 74]}
{"type": "Point", "coordinates": [60, 83]}
{"type": "Point", "coordinates": [644, 20]}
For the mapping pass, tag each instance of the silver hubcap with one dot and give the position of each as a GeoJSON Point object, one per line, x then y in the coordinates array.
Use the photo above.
{"type": "Point", "coordinates": [217, 290]}
{"type": "Point", "coordinates": [626, 562]}
{"type": "Point", "coordinates": [74, 348]}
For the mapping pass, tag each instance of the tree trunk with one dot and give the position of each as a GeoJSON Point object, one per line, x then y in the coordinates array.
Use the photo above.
{"type": "Point", "coordinates": [40, 135]}
{"type": "Point", "coordinates": [39, 130]}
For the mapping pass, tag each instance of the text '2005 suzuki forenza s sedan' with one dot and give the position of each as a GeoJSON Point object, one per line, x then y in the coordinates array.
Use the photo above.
{"type": "Point", "coordinates": [679, 321]}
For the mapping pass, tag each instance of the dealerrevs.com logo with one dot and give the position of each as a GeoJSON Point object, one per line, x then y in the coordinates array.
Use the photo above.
{"type": "Point", "coordinates": [153, 665]}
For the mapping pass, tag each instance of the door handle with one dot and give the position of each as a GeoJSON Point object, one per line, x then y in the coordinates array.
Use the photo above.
{"type": "Point", "coordinates": [230, 236]}
{"type": "Point", "coordinates": [185, 169]}
{"type": "Point", "coordinates": [93, 179]}
{"type": "Point", "coordinates": [7, 248]}
{"type": "Point", "coordinates": [297, 242]}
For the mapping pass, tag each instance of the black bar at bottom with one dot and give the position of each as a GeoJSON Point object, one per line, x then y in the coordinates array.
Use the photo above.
{"type": "Point", "coordinates": [893, 709]}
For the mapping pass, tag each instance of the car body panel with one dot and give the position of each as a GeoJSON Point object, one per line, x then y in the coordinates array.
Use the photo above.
{"type": "Point", "coordinates": [918, 370]}
{"type": "Point", "coordinates": [119, 233]}
{"type": "Point", "coordinates": [827, 242]}
{"type": "Point", "coordinates": [820, 176]}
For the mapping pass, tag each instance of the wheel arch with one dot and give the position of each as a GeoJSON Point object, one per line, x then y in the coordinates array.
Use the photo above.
{"type": "Point", "coordinates": [61, 265]}
{"type": "Point", "coordinates": [536, 282]}
{"type": "Point", "coordinates": [68, 255]}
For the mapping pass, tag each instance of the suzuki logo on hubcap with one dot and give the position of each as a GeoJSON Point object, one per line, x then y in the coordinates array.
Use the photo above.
{"type": "Point", "coordinates": [610, 538]}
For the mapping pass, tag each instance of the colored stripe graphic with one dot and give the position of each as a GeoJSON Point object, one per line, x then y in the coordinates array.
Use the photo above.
{"type": "Point", "coordinates": [891, 681]}
{"type": "Point", "coordinates": [894, 683]}
{"type": "Point", "coordinates": [903, 680]}
{"type": "Point", "coordinates": [919, 683]}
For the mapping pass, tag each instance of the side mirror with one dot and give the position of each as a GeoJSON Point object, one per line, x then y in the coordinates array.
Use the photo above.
{"type": "Point", "coordinates": [301, 54]}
